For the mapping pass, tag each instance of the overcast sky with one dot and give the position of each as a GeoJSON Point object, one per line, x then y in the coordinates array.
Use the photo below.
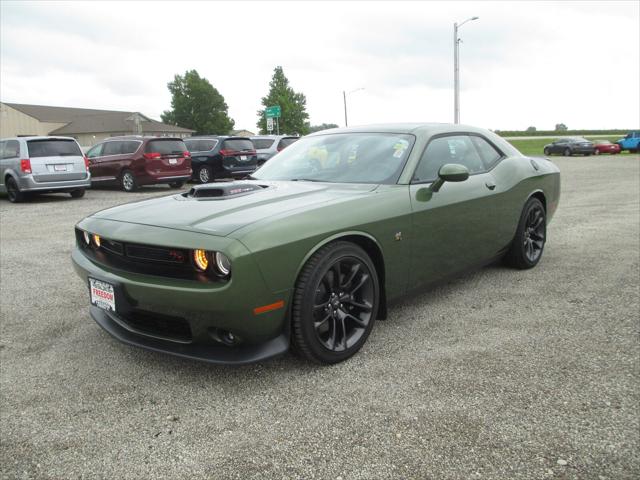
{"type": "Point", "coordinates": [522, 63]}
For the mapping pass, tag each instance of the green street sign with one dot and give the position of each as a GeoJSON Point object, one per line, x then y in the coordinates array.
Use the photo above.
{"type": "Point", "coordinates": [273, 112]}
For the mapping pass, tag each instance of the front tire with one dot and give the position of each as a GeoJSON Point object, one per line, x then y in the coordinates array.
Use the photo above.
{"type": "Point", "coordinates": [13, 191]}
{"type": "Point", "coordinates": [128, 181]}
{"type": "Point", "coordinates": [527, 246]}
{"type": "Point", "coordinates": [547, 152]}
{"type": "Point", "coordinates": [335, 303]}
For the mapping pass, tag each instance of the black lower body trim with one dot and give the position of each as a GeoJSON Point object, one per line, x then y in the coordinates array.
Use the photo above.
{"type": "Point", "coordinates": [216, 354]}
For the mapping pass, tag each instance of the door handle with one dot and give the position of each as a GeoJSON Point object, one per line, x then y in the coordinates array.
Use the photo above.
{"type": "Point", "coordinates": [490, 185]}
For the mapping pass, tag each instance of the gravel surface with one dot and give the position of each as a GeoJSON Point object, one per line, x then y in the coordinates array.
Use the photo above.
{"type": "Point", "coordinates": [498, 374]}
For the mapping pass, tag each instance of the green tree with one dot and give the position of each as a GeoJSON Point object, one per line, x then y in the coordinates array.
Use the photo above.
{"type": "Point", "coordinates": [197, 105]}
{"type": "Point", "coordinates": [561, 127]}
{"type": "Point", "coordinates": [292, 104]}
{"type": "Point", "coordinates": [531, 130]}
{"type": "Point", "coordinates": [324, 126]}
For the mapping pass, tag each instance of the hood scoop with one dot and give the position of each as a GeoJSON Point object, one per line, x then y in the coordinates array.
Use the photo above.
{"type": "Point", "coordinates": [220, 191]}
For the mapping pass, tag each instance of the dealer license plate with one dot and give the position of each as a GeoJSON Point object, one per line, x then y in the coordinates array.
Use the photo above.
{"type": "Point", "coordinates": [173, 161]}
{"type": "Point", "coordinates": [102, 294]}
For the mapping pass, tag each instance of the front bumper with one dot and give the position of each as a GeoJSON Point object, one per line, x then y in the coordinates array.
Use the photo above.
{"type": "Point", "coordinates": [188, 318]}
{"type": "Point", "coordinates": [216, 354]}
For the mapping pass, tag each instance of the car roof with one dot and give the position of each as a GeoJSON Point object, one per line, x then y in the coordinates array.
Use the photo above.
{"type": "Point", "coordinates": [272, 137]}
{"type": "Point", "coordinates": [410, 128]}
{"type": "Point", "coordinates": [140, 137]}
{"type": "Point", "coordinates": [38, 137]}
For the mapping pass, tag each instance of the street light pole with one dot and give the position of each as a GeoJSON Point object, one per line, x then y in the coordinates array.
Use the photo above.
{"type": "Point", "coordinates": [344, 99]}
{"type": "Point", "coordinates": [456, 69]}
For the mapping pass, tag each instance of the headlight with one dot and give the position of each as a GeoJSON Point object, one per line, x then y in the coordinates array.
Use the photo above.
{"type": "Point", "coordinates": [223, 263]}
{"type": "Point", "coordinates": [87, 238]}
{"type": "Point", "coordinates": [201, 259]}
{"type": "Point", "coordinates": [96, 240]}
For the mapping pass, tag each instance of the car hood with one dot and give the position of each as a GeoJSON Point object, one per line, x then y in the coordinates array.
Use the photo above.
{"type": "Point", "coordinates": [223, 215]}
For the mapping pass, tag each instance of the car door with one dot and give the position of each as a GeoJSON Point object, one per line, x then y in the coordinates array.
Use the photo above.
{"type": "Point", "coordinates": [456, 227]}
{"type": "Point", "coordinates": [94, 155]}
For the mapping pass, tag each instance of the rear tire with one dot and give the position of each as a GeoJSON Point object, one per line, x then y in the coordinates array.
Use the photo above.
{"type": "Point", "coordinates": [596, 152]}
{"type": "Point", "coordinates": [528, 245]}
{"type": "Point", "coordinates": [567, 152]}
{"type": "Point", "coordinates": [176, 184]}
{"type": "Point", "coordinates": [335, 303]}
{"type": "Point", "coordinates": [79, 193]}
{"type": "Point", "coordinates": [13, 191]}
{"type": "Point", "coordinates": [204, 174]}
{"type": "Point", "coordinates": [128, 181]}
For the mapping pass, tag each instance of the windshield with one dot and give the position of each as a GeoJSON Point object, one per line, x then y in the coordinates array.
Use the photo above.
{"type": "Point", "coordinates": [341, 158]}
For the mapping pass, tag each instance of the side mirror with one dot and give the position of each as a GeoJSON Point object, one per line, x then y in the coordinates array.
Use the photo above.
{"type": "Point", "coordinates": [450, 172]}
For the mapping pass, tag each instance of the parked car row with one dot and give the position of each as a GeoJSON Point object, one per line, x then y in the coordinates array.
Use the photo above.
{"type": "Point", "coordinates": [57, 164]}
{"type": "Point", "coordinates": [578, 145]}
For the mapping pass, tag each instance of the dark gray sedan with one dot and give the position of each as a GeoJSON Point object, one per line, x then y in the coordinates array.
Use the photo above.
{"type": "Point", "coordinates": [570, 146]}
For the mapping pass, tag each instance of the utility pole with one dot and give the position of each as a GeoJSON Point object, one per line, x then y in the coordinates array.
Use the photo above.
{"type": "Point", "coordinates": [456, 69]}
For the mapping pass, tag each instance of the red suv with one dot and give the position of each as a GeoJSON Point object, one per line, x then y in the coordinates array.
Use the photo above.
{"type": "Point", "coordinates": [134, 161]}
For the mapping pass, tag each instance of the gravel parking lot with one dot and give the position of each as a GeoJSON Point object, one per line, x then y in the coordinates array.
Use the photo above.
{"type": "Point", "coordinates": [498, 374]}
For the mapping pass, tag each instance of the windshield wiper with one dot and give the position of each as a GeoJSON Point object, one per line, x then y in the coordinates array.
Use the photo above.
{"type": "Point", "coordinates": [305, 180]}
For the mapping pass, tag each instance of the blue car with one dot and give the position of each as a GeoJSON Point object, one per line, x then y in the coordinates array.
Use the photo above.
{"type": "Point", "coordinates": [631, 142]}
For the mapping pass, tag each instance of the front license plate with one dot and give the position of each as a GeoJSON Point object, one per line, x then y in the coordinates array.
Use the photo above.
{"type": "Point", "coordinates": [60, 168]}
{"type": "Point", "coordinates": [173, 161]}
{"type": "Point", "coordinates": [102, 294]}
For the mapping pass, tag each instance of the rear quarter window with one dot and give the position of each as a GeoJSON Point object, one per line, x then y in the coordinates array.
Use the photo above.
{"type": "Point", "coordinates": [166, 147]}
{"type": "Point", "coordinates": [10, 149]}
{"type": "Point", "coordinates": [53, 148]}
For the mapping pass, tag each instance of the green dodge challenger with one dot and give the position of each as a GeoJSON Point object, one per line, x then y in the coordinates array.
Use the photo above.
{"type": "Point", "coordinates": [309, 250]}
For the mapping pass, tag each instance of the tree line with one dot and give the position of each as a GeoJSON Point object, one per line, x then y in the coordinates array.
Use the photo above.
{"type": "Point", "coordinates": [196, 104]}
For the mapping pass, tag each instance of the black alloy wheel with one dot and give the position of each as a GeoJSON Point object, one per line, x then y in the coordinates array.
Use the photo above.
{"type": "Point", "coordinates": [13, 191]}
{"type": "Point", "coordinates": [531, 235]}
{"type": "Point", "coordinates": [335, 303]}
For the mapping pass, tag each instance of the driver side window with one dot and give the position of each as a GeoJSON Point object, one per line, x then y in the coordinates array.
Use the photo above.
{"type": "Point", "coordinates": [451, 149]}
{"type": "Point", "coordinates": [95, 151]}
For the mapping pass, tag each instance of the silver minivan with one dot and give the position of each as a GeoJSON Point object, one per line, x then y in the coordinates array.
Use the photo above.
{"type": "Point", "coordinates": [268, 145]}
{"type": "Point", "coordinates": [42, 165]}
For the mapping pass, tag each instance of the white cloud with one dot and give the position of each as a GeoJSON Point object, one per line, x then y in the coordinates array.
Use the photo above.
{"type": "Point", "coordinates": [522, 63]}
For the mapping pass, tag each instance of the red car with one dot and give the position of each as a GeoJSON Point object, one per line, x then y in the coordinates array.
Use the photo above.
{"type": "Point", "coordinates": [136, 160]}
{"type": "Point", "coordinates": [605, 146]}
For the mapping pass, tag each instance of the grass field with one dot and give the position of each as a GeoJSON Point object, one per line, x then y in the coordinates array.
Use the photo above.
{"type": "Point", "coordinates": [535, 146]}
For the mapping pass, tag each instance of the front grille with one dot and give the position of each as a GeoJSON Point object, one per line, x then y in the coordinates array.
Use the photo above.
{"type": "Point", "coordinates": [146, 259]}
{"type": "Point", "coordinates": [171, 328]}
{"type": "Point", "coordinates": [154, 254]}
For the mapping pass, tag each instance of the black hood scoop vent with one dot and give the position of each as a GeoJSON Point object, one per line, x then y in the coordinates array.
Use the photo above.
{"type": "Point", "coordinates": [220, 191]}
